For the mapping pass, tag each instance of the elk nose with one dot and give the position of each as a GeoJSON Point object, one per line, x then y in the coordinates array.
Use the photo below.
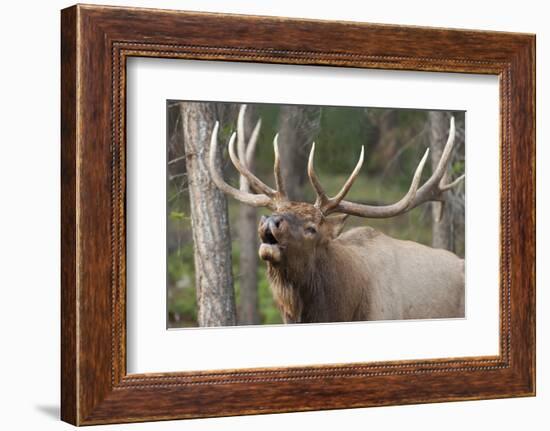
{"type": "Point", "coordinates": [276, 220]}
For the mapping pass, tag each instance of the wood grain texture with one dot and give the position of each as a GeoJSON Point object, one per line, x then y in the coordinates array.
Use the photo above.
{"type": "Point", "coordinates": [68, 217]}
{"type": "Point", "coordinates": [96, 41]}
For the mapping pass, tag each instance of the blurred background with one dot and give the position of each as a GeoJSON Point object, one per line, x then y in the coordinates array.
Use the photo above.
{"type": "Point", "coordinates": [394, 140]}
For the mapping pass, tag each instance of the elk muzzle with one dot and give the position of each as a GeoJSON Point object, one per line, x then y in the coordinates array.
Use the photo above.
{"type": "Point", "coordinates": [270, 234]}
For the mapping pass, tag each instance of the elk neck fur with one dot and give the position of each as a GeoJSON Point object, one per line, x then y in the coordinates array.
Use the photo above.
{"type": "Point", "coordinates": [309, 287]}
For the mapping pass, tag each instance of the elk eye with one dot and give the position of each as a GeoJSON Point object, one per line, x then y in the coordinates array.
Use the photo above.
{"type": "Point", "coordinates": [311, 230]}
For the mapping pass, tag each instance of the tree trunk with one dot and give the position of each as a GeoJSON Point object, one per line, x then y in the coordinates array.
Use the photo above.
{"type": "Point", "coordinates": [442, 214]}
{"type": "Point", "coordinates": [209, 218]}
{"type": "Point", "coordinates": [298, 126]}
{"type": "Point", "coordinates": [248, 238]}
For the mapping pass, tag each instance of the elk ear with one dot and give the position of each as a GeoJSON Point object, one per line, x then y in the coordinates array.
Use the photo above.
{"type": "Point", "coordinates": [336, 224]}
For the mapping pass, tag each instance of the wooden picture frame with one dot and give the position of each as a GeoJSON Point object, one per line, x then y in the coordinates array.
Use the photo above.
{"type": "Point", "coordinates": [95, 42]}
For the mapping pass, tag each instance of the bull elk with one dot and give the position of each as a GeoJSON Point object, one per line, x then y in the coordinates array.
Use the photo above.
{"type": "Point", "coordinates": [318, 273]}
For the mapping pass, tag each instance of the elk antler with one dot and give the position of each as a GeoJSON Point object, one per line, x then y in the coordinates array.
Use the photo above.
{"type": "Point", "coordinates": [266, 196]}
{"type": "Point", "coordinates": [431, 190]}
{"type": "Point", "coordinates": [256, 200]}
{"type": "Point", "coordinates": [245, 150]}
{"type": "Point", "coordinates": [246, 153]}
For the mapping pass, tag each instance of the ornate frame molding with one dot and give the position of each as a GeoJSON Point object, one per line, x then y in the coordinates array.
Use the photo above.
{"type": "Point", "coordinates": [96, 41]}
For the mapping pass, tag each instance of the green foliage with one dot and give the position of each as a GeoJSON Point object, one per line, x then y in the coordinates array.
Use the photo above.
{"type": "Point", "coordinates": [182, 309]}
{"type": "Point", "coordinates": [177, 215]}
{"type": "Point", "coordinates": [180, 263]}
{"type": "Point", "coordinates": [340, 139]}
{"type": "Point", "coordinates": [182, 303]}
{"type": "Point", "coordinates": [458, 168]}
{"type": "Point", "coordinates": [269, 312]}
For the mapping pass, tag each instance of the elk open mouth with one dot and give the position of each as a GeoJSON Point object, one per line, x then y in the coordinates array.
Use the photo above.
{"type": "Point", "coordinates": [269, 248]}
{"type": "Point", "coordinates": [267, 237]}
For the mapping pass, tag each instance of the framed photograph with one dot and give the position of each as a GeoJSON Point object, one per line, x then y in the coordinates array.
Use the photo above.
{"type": "Point", "coordinates": [266, 215]}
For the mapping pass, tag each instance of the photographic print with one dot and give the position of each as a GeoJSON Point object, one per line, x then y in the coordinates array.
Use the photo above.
{"type": "Point", "coordinates": [282, 214]}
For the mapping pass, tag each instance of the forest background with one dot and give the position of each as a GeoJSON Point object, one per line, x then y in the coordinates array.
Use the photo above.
{"type": "Point", "coordinates": [394, 140]}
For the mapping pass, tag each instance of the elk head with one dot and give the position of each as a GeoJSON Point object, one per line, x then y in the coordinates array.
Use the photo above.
{"type": "Point", "coordinates": [297, 230]}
